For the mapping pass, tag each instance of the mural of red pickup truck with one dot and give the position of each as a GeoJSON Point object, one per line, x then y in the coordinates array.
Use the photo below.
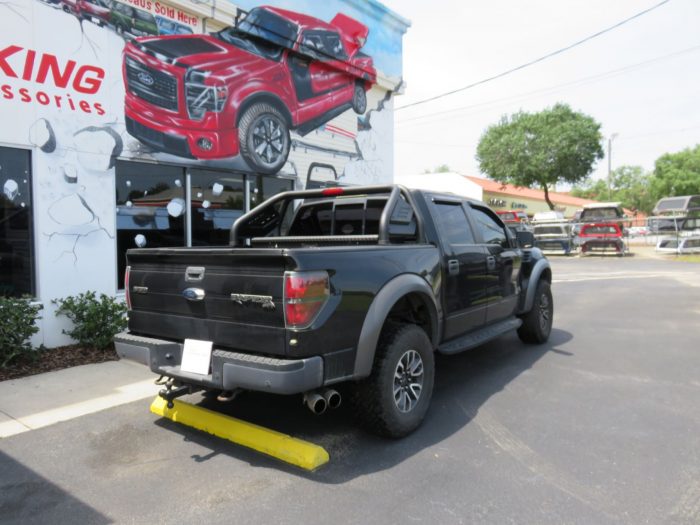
{"type": "Point", "coordinates": [241, 90]}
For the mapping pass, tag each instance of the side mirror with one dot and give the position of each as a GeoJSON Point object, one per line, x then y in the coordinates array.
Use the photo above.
{"type": "Point", "coordinates": [526, 239]}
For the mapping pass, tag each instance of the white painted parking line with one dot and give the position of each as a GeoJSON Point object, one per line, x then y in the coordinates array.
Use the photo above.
{"type": "Point", "coordinates": [122, 395]}
{"type": "Point", "coordinates": [10, 426]}
{"type": "Point", "coordinates": [687, 277]}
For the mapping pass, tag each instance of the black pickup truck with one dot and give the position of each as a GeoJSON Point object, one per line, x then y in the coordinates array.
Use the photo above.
{"type": "Point", "coordinates": [353, 286]}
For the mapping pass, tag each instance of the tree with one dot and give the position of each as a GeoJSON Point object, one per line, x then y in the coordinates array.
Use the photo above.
{"type": "Point", "coordinates": [594, 190]}
{"type": "Point", "coordinates": [631, 186]}
{"type": "Point", "coordinates": [677, 174]}
{"type": "Point", "coordinates": [541, 149]}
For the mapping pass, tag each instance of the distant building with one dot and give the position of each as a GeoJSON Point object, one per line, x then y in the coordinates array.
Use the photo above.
{"type": "Point", "coordinates": [508, 197]}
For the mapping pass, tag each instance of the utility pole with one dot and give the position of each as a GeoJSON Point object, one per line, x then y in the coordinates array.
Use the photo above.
{"type": "Point", "coordinates": [610, 140]}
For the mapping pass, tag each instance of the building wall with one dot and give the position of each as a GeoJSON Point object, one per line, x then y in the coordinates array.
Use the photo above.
{"type": "Point", "coordinates": [62, 99]}
{"type": "Point", "coordinates": [502, 202]}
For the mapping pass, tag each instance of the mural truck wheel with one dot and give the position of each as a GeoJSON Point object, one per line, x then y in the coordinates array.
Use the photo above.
{"type": "Point", "coordinates": [359, 99]}
{"type": "Point", "coordinates": [263, 135]}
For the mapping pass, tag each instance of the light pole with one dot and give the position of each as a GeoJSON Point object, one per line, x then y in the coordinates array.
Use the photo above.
{"type": "Point", "coordinates": [610, 140]}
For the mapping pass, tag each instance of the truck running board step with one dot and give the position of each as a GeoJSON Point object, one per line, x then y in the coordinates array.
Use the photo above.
{"type": "Point", "coordinates": [281, 446]}
{"type": "Point", "coordinates": [479, 337]}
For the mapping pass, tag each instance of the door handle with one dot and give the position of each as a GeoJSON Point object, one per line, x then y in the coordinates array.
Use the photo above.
{"type": "Point", "coordinates": [194, 273]}
{"type": "Point", "coordinates": [490, 262]}
{"type": "Point", "coordinates": [453, 266]}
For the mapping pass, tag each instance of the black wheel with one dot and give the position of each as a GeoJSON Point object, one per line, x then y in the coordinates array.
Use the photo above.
{"type": "Point", "coordinates": [394, 399]}
{"type": "Point", "coordinates": [263, 137]}
{"type": "Point", "coordinates": [537, 323]}
{"type": "Point", "coordinates": [359, 99]}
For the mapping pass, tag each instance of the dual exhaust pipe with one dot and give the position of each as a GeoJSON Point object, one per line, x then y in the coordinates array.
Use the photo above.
{"type": "Point", "coordinates": [318, 401]}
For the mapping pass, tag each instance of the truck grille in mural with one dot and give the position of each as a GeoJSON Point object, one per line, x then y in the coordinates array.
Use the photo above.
{"type": "Point", "coordinates": [153, 86]}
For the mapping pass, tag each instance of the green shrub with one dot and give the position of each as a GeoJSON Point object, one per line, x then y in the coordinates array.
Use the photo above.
{"type": "Point", "coordinates": [95, 321]}
{"type": "Point", "coordinates": [17, 324]}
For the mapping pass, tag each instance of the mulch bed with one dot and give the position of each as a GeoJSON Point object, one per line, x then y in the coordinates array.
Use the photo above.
{"type": "Point", "coordinates": [55, 359]}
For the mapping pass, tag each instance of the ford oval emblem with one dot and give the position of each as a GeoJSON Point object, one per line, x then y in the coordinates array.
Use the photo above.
{"type": "Point", "coordinates": [145, 78]}
{"type": "Point", "coordinates": [193, 294]}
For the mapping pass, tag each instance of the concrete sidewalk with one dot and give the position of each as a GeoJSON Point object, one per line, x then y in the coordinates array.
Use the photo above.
{"type": "Point", "coordinates": [44, 399]}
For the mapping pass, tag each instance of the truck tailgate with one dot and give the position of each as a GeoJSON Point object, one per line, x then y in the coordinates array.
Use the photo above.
{"type": "Point", "coordinates": [161, 279]}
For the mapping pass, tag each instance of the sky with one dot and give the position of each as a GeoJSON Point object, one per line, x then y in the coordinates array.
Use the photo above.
{"type": "Point", "coordinates": [640, 81]}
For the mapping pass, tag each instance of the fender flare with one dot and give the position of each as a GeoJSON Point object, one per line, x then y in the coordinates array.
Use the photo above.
{"type": "Point", "coordinates": [378, 311]}
{"type": "Point", "coordinates": [540, 267]}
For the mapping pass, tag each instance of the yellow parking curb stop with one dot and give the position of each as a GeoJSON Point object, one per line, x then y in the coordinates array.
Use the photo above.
{"type": "Point", "coordinates": [281, 446]}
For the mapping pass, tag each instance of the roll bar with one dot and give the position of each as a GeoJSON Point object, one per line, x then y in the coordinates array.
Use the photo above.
{"type": "Point", "coordinates": [395, 192]}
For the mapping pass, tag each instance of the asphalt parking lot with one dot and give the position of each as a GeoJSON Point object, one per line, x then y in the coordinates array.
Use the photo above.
{"type": "Point", "coordinates": [601, 425]}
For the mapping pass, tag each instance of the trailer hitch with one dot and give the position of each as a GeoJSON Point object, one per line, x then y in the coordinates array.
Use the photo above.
{"type": "Point", "coordinates": [170, 392]}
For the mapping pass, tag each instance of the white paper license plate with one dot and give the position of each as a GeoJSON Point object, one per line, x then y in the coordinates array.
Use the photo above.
{"type": "Point", "coordinates": [196, 356]}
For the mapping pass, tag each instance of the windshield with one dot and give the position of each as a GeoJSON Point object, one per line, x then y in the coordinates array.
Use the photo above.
{"type": "Point", "coordinates": [600, 213]}
{"type": "Point", "coordinates": [262, 33]}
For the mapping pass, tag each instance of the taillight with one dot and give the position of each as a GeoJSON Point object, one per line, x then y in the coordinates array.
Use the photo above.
{"type": "Point", "coordinates": [305, 293]}
{"type": "Point", "coordinates": [330, 192]}
{"type": "Point", "coordinates": [126, 287]}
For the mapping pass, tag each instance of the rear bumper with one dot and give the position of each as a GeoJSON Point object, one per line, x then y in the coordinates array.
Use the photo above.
{"type": "Point", "coordinates": [229, 370]}
{"type": "Point", "coordinates": [602, 245]}
{"type": "Point", "coordinates": [554, 245]}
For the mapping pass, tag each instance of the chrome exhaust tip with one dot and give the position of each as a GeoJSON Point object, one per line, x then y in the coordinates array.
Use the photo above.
{"type": "Point", "coordinates": [332, 397]}
{"type": "Point", "coordinates": [315, 402]}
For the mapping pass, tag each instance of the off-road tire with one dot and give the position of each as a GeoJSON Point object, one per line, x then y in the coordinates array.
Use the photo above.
{"type": "Point", "coordinates": [537, 323]}
{"type": "Point", "coordinates": [249, 132]}
{"type": "Point", "coordinates": [373, 399]}
{"type": "Point", "coordinates": [359, 99]}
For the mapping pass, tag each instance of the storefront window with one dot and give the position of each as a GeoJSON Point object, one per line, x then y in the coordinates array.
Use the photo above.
{"type": "Point", "coordinates": [262, 188]}
{"type": "Point", "coordinates": [152, 205]}
{"type": "Point", "coordinates": [217, 201]}
{"type": "Point", "coordinates": [151, 208]}
{"type": "Point", "coordinates": [16, 253]}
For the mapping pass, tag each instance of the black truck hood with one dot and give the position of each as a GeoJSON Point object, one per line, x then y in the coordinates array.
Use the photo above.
{"type": "Point", "coordinates": [174, 48]}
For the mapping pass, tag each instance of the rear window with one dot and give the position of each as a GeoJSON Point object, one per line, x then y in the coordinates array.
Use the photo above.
{"type": "Point", "coordinates": [509, 216]}
{"type": "Point", "coordinates": [669, 243]}
{"type": "Point", "coordinates": [600, 213]}
{"type": "Point", "coordinates": [671, 204]}
{"type": "Point", "coordinates": [353, 218]}
{"type": "Point", "coordinates": [600, 230]}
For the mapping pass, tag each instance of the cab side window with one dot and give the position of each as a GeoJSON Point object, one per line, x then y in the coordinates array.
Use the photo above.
{"type": "Point", "coordinates": [452, 223]}
{"type": "Point", "coordinates": [492, 231]}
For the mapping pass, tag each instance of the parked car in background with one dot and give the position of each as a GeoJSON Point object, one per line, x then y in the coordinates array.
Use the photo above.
{"type": "Point", "coordinates": [679, 245]}
{"type": "Point", "coordinates": [130, 21]}
{"type": "Point", "coordinates": [516, 221]}
{"type": "Point", "coordinates": [680, 215]}
{"type": "Point", "coordinates": [170, 27]}
{"type": "Point", "coordinates": [243, 89]}
{"type": "Point", "coordinates": [638, 231]}
{"type": "Point", "coordinates": [70, 6]}
{"type": "Point", "coordinates": [554, 237]}
{"type": "Point", "coordinates": [601, 237]}
{"type": "Point", "coordinates": [97, 11]}
{"type": "Point", "coordinates": [548, 216]}
{"type": "Point", "coordinates": [681, 205]}
{"type": "Point", "coordinates": [513, 216]}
